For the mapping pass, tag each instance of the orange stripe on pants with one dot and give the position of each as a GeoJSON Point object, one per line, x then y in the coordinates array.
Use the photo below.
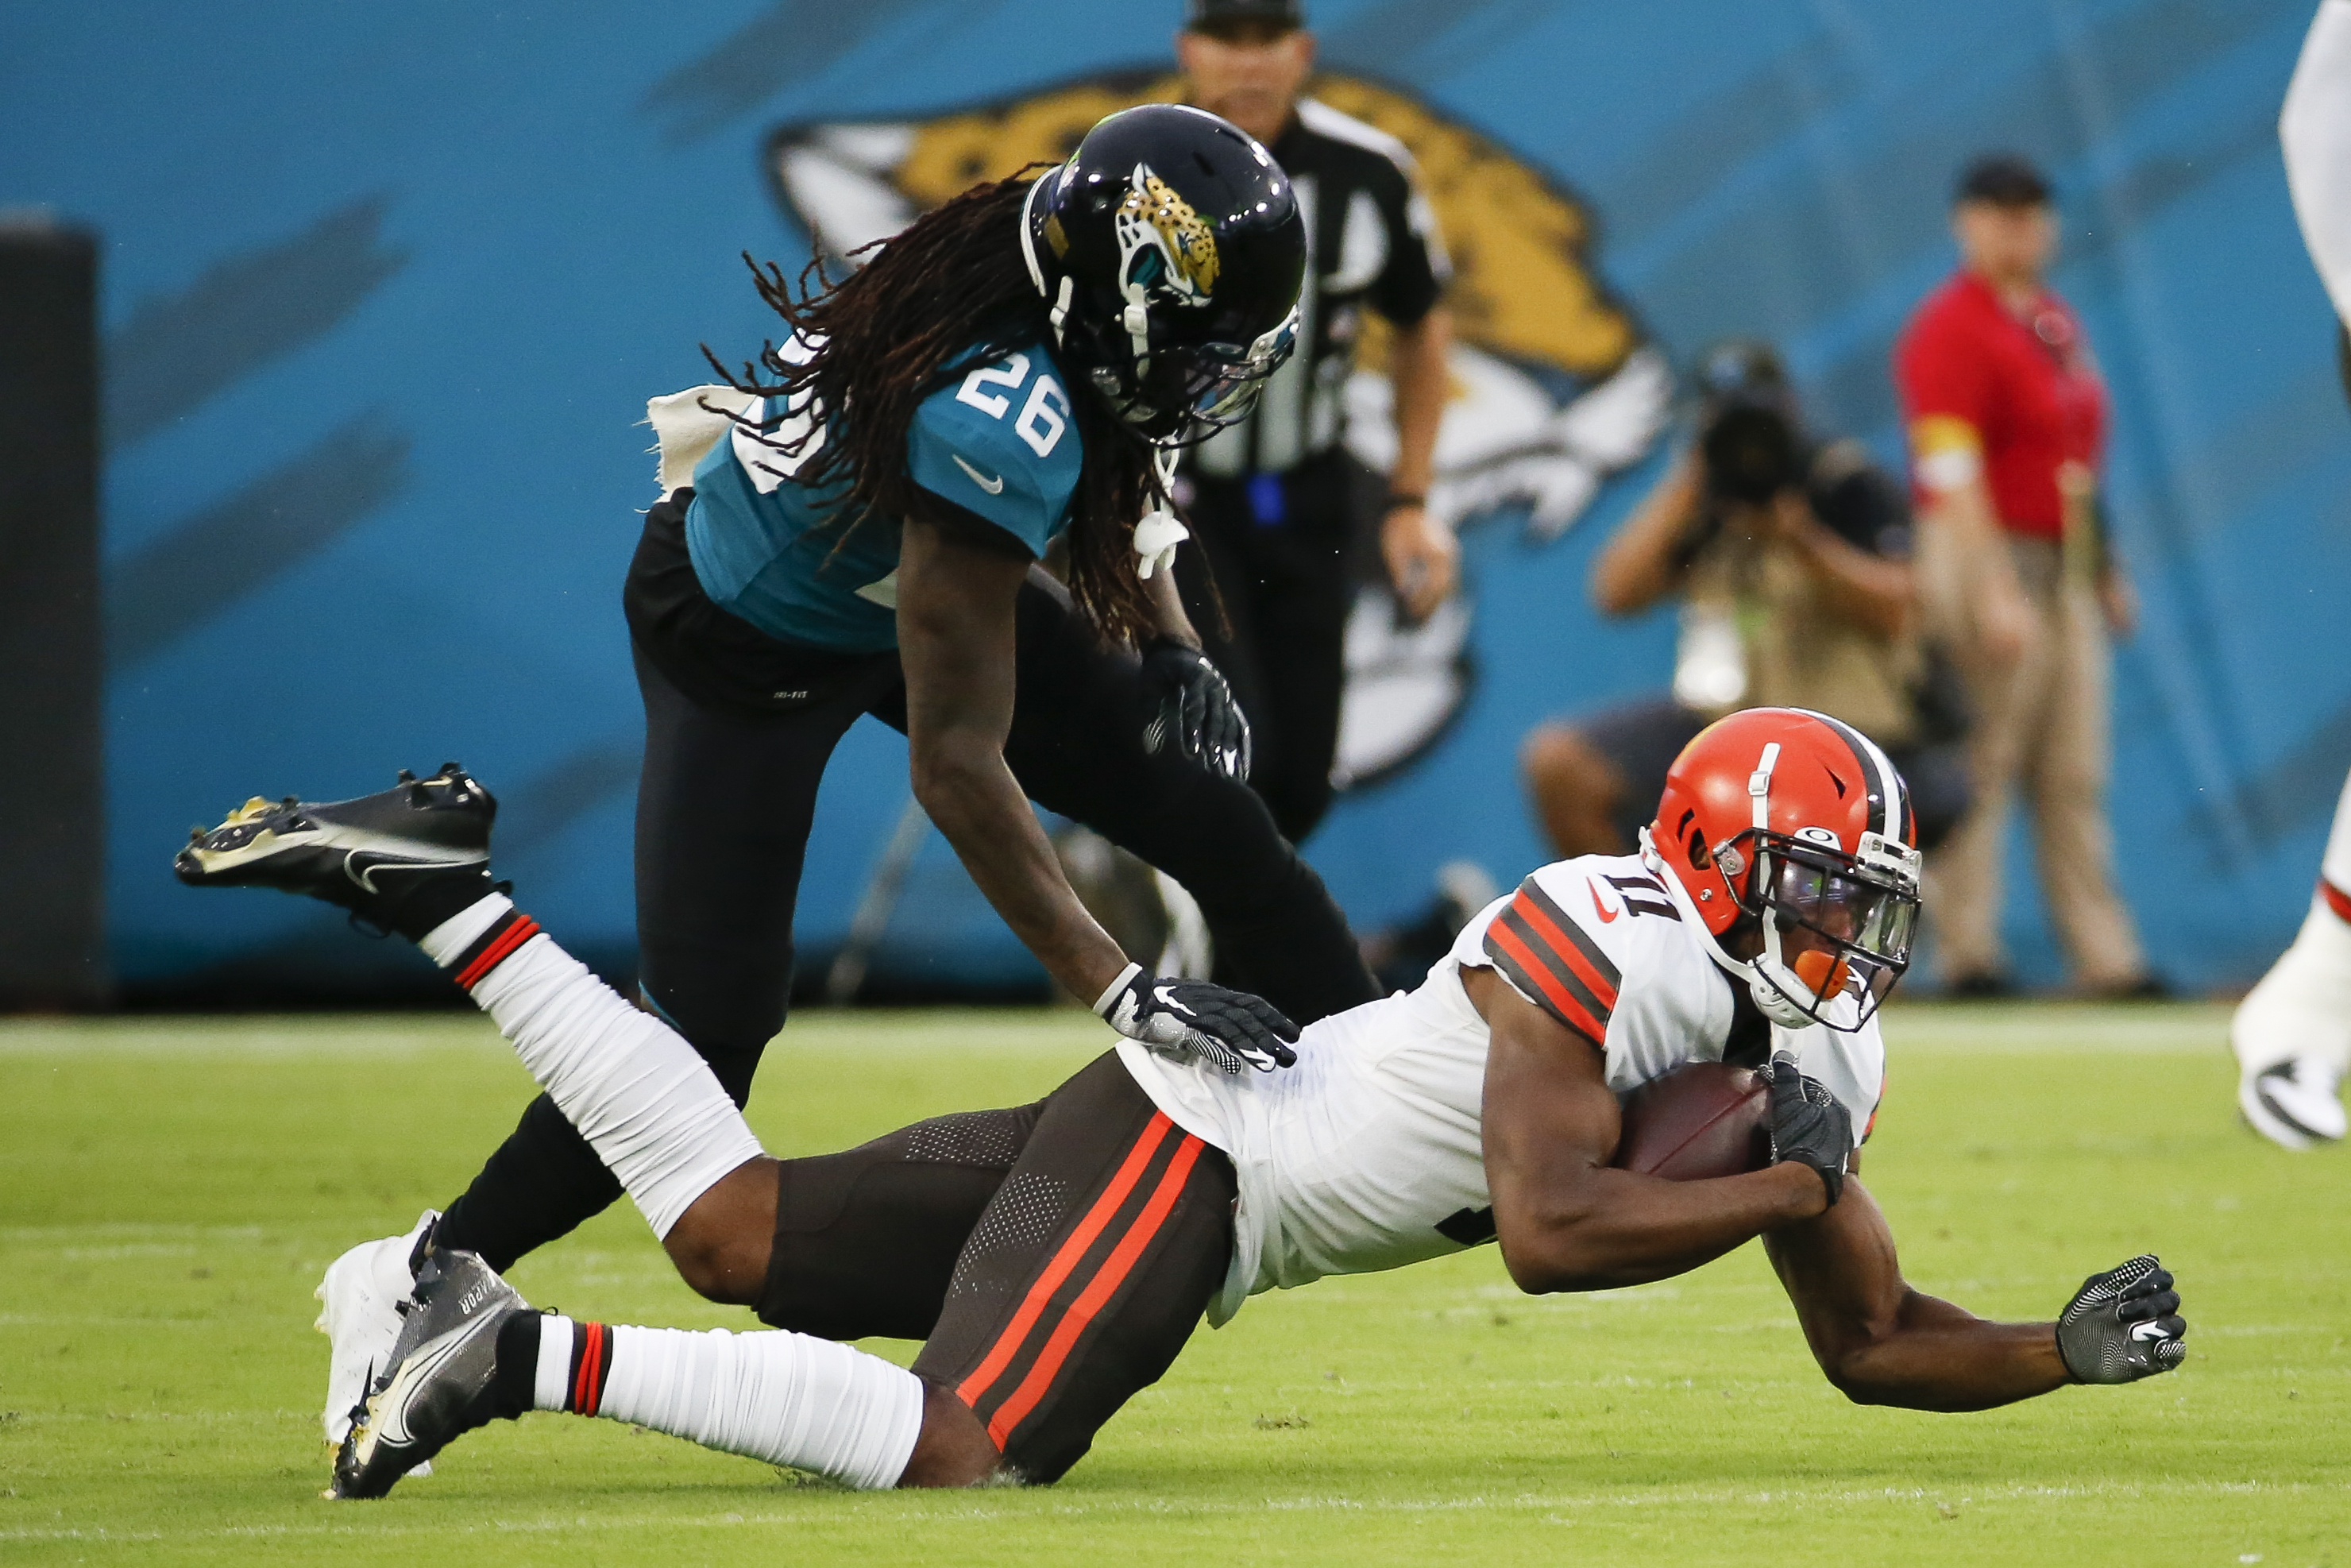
{"type": "Point", "coordinates": [1032, 1305]}
{"type": "Point", "coordinates": [1107, 1281]}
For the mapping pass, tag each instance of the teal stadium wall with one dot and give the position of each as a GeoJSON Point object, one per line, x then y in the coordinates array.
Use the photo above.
{"type": "Point", "coordinates": [386, 288]}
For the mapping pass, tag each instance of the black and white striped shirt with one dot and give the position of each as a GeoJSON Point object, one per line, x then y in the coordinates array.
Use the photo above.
{"type": "Point", "coordinates": [1372, 242]}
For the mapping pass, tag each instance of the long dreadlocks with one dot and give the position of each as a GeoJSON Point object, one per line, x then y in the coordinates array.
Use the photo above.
{"type": "Point", "coordinates": [950, 291]}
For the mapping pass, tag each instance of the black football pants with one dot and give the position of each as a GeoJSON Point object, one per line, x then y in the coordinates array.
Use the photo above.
{"type": "Point", "coordinates": [1284, 587]}
{"type": "Point", "coordinates": [723, 808]}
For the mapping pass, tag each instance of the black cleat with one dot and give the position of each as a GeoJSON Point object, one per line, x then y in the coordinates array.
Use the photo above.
{"type": "Point", "coordinates": [442, 1377]}
{"type": "Point", "coordinates": [403, 860]}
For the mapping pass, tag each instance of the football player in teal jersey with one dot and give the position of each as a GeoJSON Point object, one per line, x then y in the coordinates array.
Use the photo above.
{"type": "Point", "coordinates": [854, 525]}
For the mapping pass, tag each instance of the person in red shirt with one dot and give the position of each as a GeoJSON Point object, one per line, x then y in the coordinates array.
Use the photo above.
{"type": "Point", "coordinates": [2007, 420]}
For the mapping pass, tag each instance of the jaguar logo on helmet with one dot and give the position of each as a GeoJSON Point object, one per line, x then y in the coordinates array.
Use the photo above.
{"type": "Point", "coordinates": [1165, 252]}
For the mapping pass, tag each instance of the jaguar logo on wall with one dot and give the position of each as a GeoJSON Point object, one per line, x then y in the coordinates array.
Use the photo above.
{"type": "Point", "coordinates": [1554, 386]}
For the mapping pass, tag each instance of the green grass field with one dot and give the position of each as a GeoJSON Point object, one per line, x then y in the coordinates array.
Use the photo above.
{"type": "Point", "coordinates": [170, 1191]}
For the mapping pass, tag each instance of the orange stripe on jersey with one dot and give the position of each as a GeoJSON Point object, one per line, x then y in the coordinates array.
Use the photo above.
{"type": "Point", "coordinates": [2336, 899]}
{"type": "Point", "coordinates": [1571, 952]}
{"type": "Point", "coordinates": [1007, 1345]}
{"type": "Point", "coordinates": [1105, 1284]}
{"type": "Point", "coordinates": [1504, 943]}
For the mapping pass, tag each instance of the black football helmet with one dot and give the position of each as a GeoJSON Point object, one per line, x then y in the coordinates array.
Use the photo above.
{"type": "Point", "coordinates": [1169, 251]}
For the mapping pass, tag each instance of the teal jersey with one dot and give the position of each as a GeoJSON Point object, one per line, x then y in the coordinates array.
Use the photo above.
{"type": "Point", "coordinates": [1001, 442]}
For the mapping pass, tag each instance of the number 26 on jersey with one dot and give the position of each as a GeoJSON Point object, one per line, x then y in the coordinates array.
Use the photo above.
{"type": "Point", "coordinates": [1043, 417]}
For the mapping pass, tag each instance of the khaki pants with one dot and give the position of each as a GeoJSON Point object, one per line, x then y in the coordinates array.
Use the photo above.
{"type": "Point", "coordinates": [2041, 723]}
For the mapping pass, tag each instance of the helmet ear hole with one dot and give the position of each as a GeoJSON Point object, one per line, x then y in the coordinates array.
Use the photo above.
{"type": "Point", "coordinates": [1699, 855]}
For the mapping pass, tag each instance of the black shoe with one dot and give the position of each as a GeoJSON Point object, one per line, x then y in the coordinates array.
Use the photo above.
{"type": "Point", "coordinates": [442, 1382]}
{"type": "Point", "coordinates": [2147, 988]}
{"type": "Point", "coordinates": [404, 860]}
{"type": "Point", "coordinates": [1983, 986]}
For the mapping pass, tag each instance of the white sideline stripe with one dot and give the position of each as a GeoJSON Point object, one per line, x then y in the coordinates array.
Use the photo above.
{"type": "Point", "coordinates": [890, 1506]}
{"type": "Point", "coordinates": [274, 1039]}
{"type": "Point", "coordinates": [2140, 1029]}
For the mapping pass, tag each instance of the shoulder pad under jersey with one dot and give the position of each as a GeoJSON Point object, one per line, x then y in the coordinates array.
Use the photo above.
{"type": "Point", "coordinates": [1002, 440]}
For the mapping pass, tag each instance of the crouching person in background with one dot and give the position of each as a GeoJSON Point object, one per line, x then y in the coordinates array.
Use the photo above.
{"type": "Point", "coordinates": [1790, 558]}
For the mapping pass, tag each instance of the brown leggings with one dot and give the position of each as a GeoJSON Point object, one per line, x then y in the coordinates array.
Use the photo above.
{"type": "Point", "coordinates": [1055, 1257]}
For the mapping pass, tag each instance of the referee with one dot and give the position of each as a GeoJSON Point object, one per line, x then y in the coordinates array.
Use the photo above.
{"type": "Point", "coordinates": [1276, 502]}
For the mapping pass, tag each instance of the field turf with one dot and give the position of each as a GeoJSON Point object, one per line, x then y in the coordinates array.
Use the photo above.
{"type": "Point", "coordinates": [170, 1191]}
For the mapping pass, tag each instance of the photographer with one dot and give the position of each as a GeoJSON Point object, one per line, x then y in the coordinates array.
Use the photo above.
{"type": "Point", "coordinates": [1791, 561]}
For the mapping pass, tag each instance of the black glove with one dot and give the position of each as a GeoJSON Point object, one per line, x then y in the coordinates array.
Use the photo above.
{"type": "Point", "coordinates": [1193, 710]}
{"type": "Point", "coordinates": [2123, 1325]}
{"type": "Point", "coordinates": [1192, 1020]}
{"type": "Point", "coordinates": [1809, 1125]}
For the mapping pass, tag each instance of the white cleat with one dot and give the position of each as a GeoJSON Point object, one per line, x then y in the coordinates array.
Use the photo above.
{"type": "Point", "coordinates": [2292, 1035]}
{"type": "Point", "coordinates": [359, 1314]}
{"type": "Point", "coordinates": [2294, 1104]}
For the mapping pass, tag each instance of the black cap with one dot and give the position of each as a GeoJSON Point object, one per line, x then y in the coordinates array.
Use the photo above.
{"type": "Point", "coordinates": [1207, 15]}
{"type": "Point", "coordinates": [2003, 178]}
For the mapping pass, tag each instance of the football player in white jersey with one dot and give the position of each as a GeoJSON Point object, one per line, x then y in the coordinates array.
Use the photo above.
{"type": "Point", "coordinates": [1055, 1257]}
{"type": "Point", "coordinates": [2292, 1035]}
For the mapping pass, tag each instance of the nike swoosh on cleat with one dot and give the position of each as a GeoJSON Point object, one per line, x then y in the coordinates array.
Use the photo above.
{"type": "Point", "coordinates": [2270, 1104]}
{"type": "Point", "coordinates": [993, 486]}
{"type": "Point", "coordinates": [366, 878]}
{"type": "Point", "coordinates": [415, 1370]}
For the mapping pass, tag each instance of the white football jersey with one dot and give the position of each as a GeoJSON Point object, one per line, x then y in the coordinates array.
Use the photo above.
{"type": "Point", "coordinates": [1367, 1153]}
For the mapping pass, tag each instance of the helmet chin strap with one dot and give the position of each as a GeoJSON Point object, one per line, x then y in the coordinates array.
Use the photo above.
{"type": "Point", "coordinates": [1158, 534]}
{"type": "Point", "coordinates": [1772, 984]}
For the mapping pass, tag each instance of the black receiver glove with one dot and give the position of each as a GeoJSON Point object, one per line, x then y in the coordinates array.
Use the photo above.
{"type": "Point", "coordinates": [2124, 1324]}
{"type": "Point", "coordinates": [1809, 1125]}
{"type": "Point", "coordinates": [1192, 1020]}
{"type": "Point", "coordinates": [1193, 710]}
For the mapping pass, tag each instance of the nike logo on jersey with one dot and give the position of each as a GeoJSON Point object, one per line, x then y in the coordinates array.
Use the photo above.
{"type": "Point", "coordinates": [994, 486]}
{"type": "Point", "coordinates": [1597, 907]}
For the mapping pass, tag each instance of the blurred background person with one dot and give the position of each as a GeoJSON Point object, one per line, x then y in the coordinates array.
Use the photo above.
{"type": "Point", "coordinates": [2292, 1035]}
{"type": "Point", "coordinates": [1790, 556]}
{"type": "Point", "coordinates": [1276, 503]}
{"type": "Point", "coordinates": [2007, 417]}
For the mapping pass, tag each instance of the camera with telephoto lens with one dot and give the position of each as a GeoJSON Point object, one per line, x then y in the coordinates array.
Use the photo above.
{"type": "Point", "coordinates": [1747, 424]}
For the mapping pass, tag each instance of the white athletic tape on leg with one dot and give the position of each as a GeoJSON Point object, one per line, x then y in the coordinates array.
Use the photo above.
{"type": "Point", "coordinates": [447, 943]}
{"type": "Point", "coordinates": [2315, 128]}
{"type": "Point", "coordinates": [2335, 865]}
{"type": "Point", "coordinates": [646, 1103]}
{"type": "Point", "coordinates": [554, 1377]}
{"type": "Point", "coordinates": [786, 1398]}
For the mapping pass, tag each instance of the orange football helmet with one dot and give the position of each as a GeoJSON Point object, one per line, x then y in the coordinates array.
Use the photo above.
{"type": "Point", "coordinates": [1796, 823]}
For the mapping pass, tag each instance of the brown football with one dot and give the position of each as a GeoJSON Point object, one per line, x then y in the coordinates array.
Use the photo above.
{"type": "Point", "coordinates": [1699, 1121]}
